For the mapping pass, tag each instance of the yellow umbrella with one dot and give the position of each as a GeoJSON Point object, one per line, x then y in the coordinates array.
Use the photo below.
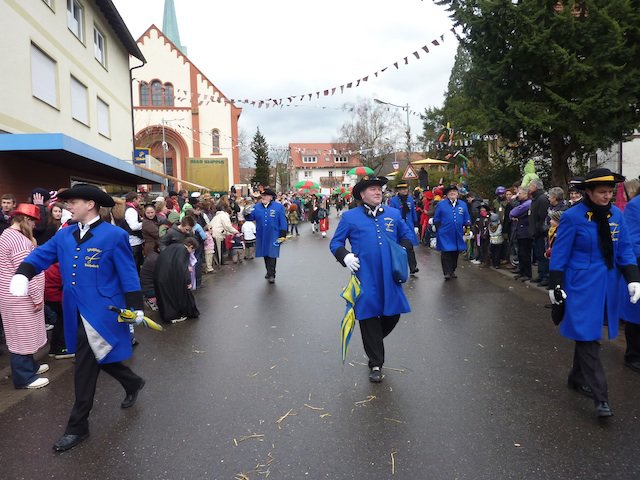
{"type": "Point", "coordinates": [392, 174]}
{"type": "Point", "coordinates": [430, 161]}
{"type": "Point", "coordinates": [350, 293]}
{"type": "Point", "coordinates": [129, 316]}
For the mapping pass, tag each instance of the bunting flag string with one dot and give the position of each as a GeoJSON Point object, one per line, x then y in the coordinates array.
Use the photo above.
{"type": "Point", "coordinates": [217, 97]}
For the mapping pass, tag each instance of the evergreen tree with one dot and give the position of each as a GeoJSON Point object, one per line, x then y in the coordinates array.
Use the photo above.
{"type": "Point", "coordinates": [563, 76]}
{"type": "Point", "coordinates": [260, 151]}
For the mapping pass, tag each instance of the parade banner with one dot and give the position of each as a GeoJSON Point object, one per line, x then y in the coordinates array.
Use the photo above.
{"type": "Point", "coordinates": [211, 172]}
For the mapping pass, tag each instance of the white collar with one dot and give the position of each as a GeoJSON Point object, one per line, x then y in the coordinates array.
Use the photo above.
{"type": "Point", "coordinates": [87, 225]}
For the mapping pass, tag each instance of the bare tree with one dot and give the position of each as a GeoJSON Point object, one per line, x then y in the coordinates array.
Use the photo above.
{"type": "Point", "coordinates": [247, 159]}
{"type": "Point", "coordinates": [374, 128]}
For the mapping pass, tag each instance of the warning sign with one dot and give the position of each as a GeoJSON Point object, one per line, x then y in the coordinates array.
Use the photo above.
{"type": "Point", "coordinates": [409, 173]}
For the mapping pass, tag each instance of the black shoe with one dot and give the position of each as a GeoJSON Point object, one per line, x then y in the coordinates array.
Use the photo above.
{"type": "Point", "coordinates": [271, 279]}
{"type": "Point", "coordinates": [130, 400]}
{"type": "Point", "coordinates": [537, 280]}
{"type": "Point", "coordinates": [266, 275]}
{"type": "Point", "coordinates": [603, 410]}
{"type": "Point", "coordinates": [447, 277]}
{"type": "Point", "coordinates": [453, 275]}
{"type": "Point", "coordinates": [68, 441]}
{"type": "Point", "coordinates": [375, 376]}
{"type": "Point", "coordinates": [416, 270]}
{"type": "Point", "coordinates": [524, 279]}
{"type": "Point", "coordinates": [517, 277]}
{"type": "Point", "coordinates": [544, 282]}
{"type": "Point", "coordinates": [635, 366]}
{"type": "Point", "coordinates": [581, 389]}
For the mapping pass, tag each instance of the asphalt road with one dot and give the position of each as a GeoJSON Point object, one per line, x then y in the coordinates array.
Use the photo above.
{"type": "Point", "coordinates": [475, 388]}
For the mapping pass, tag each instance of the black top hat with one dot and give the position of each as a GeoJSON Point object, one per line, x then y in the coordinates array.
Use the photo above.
{"type": "Point", "coordinates": [575, 184]}
{"type": "Point", "coordinates": [600, 176]}
{"type": "Point", "coordinates": [366, 182]}
{"type": "Point", "coordinates": [86, 191]}
{"type": "Point", "coordinates": [402, 185]}
{"type": "Point", "coordinates": [447, 189]}
{"type": "Point", "coordinates": [268, 191]}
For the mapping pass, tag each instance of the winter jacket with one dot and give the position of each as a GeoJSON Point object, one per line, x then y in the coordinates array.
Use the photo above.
{"type": "Point", "coordinates": [537, 214]}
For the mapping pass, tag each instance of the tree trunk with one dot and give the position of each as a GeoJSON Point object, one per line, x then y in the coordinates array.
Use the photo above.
{"type": "Point", "coordinates": [560, 172]}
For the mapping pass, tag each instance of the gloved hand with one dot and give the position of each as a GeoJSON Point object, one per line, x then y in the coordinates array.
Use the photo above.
{"type": "Point", "coordinates": [352, 262]}
{"type": "Point", "coordinates": [416, 230]}
{"type": "Point", "coordinates": [139, 317]}
{"type": "Point", "coordinates": [281, 239]}
{"type": "Point", "coordinates": [634, 291]}
{"type": "Point", "coordinates": [557, 296]}
{"type": "Point", "coordinates": [19, 286]}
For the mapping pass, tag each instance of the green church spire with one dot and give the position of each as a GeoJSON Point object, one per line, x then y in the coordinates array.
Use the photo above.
{"type": "Point", "coordinates": [170, 25]}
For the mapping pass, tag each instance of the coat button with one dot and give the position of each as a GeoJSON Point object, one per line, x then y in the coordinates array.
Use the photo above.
{"type": "Point", "coordinates": [75, 257]}
{"type": "Point", "coordinates": [75, 266]}
{"type": "Point", "coordinates": [78, 249]}
{"type": "Point", "coordinates": [73, 274]}
{"type": "Point", "coordinates": [73, 283]}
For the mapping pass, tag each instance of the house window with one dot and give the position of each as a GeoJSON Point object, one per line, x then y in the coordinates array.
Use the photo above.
{"type": "Point", "coordinates": [75, 14]}
{"type": "Point", "coordinates": [79, 106]}
{"type": "Point", "coordinates": [144, 94]}
{"type": "Point", "coordinates": [330, 173]}
{"type": "Point", "coordinates": [99, 47]}
{"type": "Point", "coordinates": [44, 83]}
{"type": "Point", "coordinates": [309, 159]}
{"type": "Point", "coordinates": [307, 174]}
{"type": "Point", "coordinates": [327, 159]}
{"type": "Point", "coordinates": [168, 95]}
{"type": "Point", "coordinates": [215, 140]}
{"type": "Point", "coordinates": [103, 119]}
{"type": "Point", "coordinates": [156, 93]}
{"type": "Point", "coordinates": [345, 172]}
{"type": "Point", "coordinates": [340, 159]}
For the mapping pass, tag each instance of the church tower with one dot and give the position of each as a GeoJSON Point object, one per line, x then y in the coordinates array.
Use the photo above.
{"type": "Point", "coordinates": [170, 25]}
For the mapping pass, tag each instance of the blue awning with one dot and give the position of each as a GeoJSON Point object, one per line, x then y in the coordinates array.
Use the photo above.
{"type": "Point", "coordinates": [62, 151]}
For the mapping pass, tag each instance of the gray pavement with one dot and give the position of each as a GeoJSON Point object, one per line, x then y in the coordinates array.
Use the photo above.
{"type": "Point", "coordinates": [475, 389]}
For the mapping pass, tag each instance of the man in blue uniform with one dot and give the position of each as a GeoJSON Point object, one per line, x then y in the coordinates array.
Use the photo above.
{"type": "Point", "coordinates": [407, 206]}
{"type": "Point", "coordinates": [591, 252]}
{"type": "Point", "coordinates": [271, 230]}
{"type": "Point", "coordinates": [450, 218]}
{"type": "Point", "coordinates": [369, 228]}
{"type": "Point", "coordinates": [98, 270]}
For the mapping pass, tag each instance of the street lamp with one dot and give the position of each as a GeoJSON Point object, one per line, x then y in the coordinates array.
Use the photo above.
{"type": "Point", "coordinates": [406, 108]}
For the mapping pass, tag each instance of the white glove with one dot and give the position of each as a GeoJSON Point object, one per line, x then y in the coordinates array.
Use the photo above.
{"type": "Point", "coordinates": [139, 317]}
{"type": "Point", "coordinates": [416, 230]}
{"type": "Point", "coordinates": [352, 262]}
{"type": "Point", "coordinates": [634, 291]}
{"type": "Point", "coordinates": [19, 286]}
{"type": "Point", "coordinates": [431, 221]}
{"type": "Point", "coordinates": [563, 294]}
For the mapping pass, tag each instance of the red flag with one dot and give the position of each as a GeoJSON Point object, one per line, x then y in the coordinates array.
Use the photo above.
{"type": "Point", "coordinates": [441, 139]}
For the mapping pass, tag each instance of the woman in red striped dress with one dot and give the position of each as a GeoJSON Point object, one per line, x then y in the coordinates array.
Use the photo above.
{"type": "Point", "coordinates": [22, 317]}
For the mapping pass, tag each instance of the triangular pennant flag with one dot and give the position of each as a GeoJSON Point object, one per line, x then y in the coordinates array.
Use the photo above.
{"type": "Point", "coordinates": [349, 84]}
{"type": "Point", "coordinates": [442, 38]}
{"type": "Point", "coordinates": [341, 88]}
{"type": "Point", "coordinates": [358, 83]}
{"type": "Point", "coordinates": [376, 74]}
{"type": "Point", "coordinates": [317, 94]}
{"type": "Point", "coordinates": [416, 55]}
{"type": "Point", "coordinates": [395, 64]}
{"type": "Point", "coordinates": [326, 93]}
{"type": "Point", "coordinates": [435, 42]}
{"type": "Point", "coordinates": [426, 49]}
{"type": "Point", "coordinates": [333, 90]}
{"type": "Point", "coordinates": [310, 96]}
{"type": "Point", "coordinates": [384, 69]}
{"type": "Point", "coordinates": [366, 79]}
{"type": "Point", "coordinates": [406, 60]}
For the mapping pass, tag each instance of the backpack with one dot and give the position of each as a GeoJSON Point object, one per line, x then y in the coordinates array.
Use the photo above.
{"type": "Point", "coordinates": [322, 214]}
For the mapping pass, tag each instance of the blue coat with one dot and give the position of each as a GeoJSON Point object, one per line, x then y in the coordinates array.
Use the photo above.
{"type": "Point", "coordinates": [450, 222]}
{"type": "Point", "coordinates": [380, 294]}
{"type": "Point", "coordinates": [271, 222]}
{"type": "Point", "coordinates": [590, 286]}
{"type": "Point", "coordinates": [412, 215]}
{"type": "Point", "coordinates": [97, 271]}
{"type": "Point", "coordinates": [631, 312]}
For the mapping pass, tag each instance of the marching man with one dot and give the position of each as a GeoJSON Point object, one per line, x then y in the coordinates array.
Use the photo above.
{"type": "Point", "coordinates": [368, 229]}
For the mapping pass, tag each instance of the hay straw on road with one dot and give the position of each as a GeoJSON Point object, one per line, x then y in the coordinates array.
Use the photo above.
{"type": "Point", "coordinates": [368, 399]}
{"type": "Point", "coordinates": [257, 436]}
{"type": "Point", "coordinates": [393, 462]}
{"type": "Point", "coordinates": [394, 420]}
{"type": "Point", "coordinates": [289, 413]}
{"type": "Point", "coordinates": [312, 407]}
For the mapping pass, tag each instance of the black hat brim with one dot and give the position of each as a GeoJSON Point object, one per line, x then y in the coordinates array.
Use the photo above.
{"type": "Point", "coordinates": [449, 188]}
{"type": "Point", "coordinates": [365, 183]}
{"type": "Point", "coordinates": [268, 191]}
{"type": "Point", "coordinates": [88, 192]}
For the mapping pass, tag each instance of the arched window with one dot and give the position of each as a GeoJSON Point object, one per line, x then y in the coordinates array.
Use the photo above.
{"type": "Point", "coordinates": [215, 139]}
{"type": "Point", "coordinates": [144, 94]}
{"type": "Point", "coordinates": [168, 95]}
{"type": "Point", "coordinates": [156, 93]}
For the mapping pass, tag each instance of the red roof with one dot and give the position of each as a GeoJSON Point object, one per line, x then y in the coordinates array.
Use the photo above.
{"type": "Point", "coordinates": [325, 155]}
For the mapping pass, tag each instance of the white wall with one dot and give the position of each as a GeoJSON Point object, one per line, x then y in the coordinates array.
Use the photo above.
{"type": "Point", "coordinates": [25, 21]}
{"type": "Point", "coordinates": [630, 157]}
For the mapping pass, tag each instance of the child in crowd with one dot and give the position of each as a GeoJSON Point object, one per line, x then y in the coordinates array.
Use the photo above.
{"type": "Point", "coordinates": [249, 235]}
{"type": "Point", "coordinates": [209, 250]}
{"type": "Point", "coordinates": [495, 239]}
{"type": "Point", "coordinates": [293, 218]}
{"type": "Point", "coordinates": [481, 235]}
{"type": "Point", "coordinates": [237, 245]}
{"type": "Point", "coordinates": [554, 218]}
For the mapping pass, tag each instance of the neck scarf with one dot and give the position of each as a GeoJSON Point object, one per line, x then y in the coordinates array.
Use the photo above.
{"type": "Point", "coordinates": [601, 215]}
{"type": "Point", "coordinates": [405, 206]}
{"type": "Point", "coordinates": [373, 210]}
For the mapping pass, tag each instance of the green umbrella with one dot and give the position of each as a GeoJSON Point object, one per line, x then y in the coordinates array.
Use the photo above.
{"type": "Point", "coordinates": [360, 171]}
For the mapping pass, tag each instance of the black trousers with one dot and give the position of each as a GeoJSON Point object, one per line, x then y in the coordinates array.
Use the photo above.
{"type": "Point", "coordinates": [632, 334]}
{"type": "Point", "coordinates": [270, 263]}
{"type": "Point", "coordinates": [85, 379]}
{"type": "Point", "coordinates": [411, 257]}
{"type": "Point", "coordinates": [57, 344]}
{"type": "Point", "coordinates": [495, 251]}
{"type": "Point", "coordinates": [373, 331]}
{"type": "Point", "coordinates": [449, 262]}
{"type": "Point", "coordinates": [524, 256]}
{"type": "Point", "coordinates": [587, 370]}
{"type": "Point", "coordinates": [138, 257]}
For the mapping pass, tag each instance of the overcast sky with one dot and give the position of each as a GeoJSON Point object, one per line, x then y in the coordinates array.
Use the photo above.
{"type": "Point", "coordinates": [258, 49]}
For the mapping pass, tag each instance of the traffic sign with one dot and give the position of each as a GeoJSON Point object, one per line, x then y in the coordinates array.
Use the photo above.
{"type": "Point", "coordinates": [409, 173]}
{"type": "Point", "coordinates": [396, 165]}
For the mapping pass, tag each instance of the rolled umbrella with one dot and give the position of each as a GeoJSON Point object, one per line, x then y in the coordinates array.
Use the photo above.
{"type": "Point", "coordinates": [129, 316]}
{"type": "Point", "coordinates": [360, 171]}
{"type": "Point", "coordinates": [350, 293]}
